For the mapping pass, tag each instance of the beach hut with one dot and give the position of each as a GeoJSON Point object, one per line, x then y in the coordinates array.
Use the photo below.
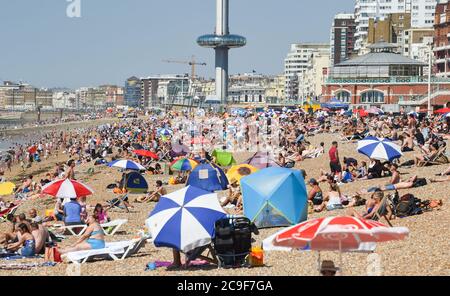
{"type": "Point", "coordinates": [135, 183]}
{"type": "Point", "coordinates": [223, 158]}
{"type": "Point", "coordinates": [209, 177]}
{"type": "Point", "coordinates": [275, 197]}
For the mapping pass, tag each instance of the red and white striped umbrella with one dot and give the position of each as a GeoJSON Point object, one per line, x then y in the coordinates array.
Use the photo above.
{"type": "Point", "coordinates": [67, 189]}
{"type": "Point", "coordinates": [335, 234]}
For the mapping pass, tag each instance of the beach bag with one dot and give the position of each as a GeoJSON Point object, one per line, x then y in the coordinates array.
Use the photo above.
{"type": "Point", "coordinates": [420, 182]}
{"type": "Point", "coordinates": [407, 206]}
{"type": "Point", "coordinates": [256, 258]}
{"type": "Point", "coordinates": [51, 253]}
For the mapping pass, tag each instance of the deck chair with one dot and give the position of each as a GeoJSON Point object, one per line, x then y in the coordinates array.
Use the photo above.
{"type": "Point", "coordinates": [75, 230]}
{"type": "Point", "coordinates": [112, 227]}
{"type": "Point", "coordinates": [383, 210]}
{"type": "Point", "coordinates": [438, 159]}
{"type": "Point", "coordinates": [198, 254]}
{"type": "Point", "coordinates": [4, 214]}
{"type": "Point", "coordinates": [114, 250]}
{"type": "Point", "coordinates": [119, 203]}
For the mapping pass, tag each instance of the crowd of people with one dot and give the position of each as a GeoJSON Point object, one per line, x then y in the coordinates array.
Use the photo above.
{"type": "Point", "coordinates": [285, 135]}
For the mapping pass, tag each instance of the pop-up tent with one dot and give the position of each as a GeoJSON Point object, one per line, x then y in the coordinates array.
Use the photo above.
{"type": "Point", "coordinates": [275, 197]}
{"type": "Point", "coordinates": [135, 183]}
{"type": "Point", "coordinates": [208, 177]}
{"type": "Point", "coordinates": [223, 158]}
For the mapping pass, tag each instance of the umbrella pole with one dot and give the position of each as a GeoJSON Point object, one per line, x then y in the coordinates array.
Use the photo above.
{"type": "Point", "coordinates": [340, 257]}
{"type": "Point", "coordinates": [318, 262]}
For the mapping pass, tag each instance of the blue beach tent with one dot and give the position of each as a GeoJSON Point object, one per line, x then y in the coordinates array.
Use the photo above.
{"type": "Point", "coordinates": [136, 183]}
{"type": "Point", "coordinates": [209, 177]}
{"type": "Point", "coordinates": [275, 197]}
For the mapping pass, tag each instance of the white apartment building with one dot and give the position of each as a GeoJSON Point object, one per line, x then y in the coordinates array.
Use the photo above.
{"type": "Point", "coordinates": [422, 15]}
{"type": "Point", "coordinates": [311, 81]}
{"type": "Point", "coordinates": [297, 61]}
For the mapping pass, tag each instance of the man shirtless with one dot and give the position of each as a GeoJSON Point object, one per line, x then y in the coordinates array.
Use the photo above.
{"type": "Point", "coordinates": [41, 235]}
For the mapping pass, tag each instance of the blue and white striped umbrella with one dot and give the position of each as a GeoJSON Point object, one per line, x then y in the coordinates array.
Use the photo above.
{"type": "Point", "coordinates": [185, 219]}
{"type": "Point", "coordinates": [378, 148]}
{"type": "Point", "coordinates": [126, 164]}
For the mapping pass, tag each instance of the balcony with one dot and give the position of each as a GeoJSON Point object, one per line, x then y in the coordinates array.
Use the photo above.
{"type": "Point", "coordinates": [387, 80]}
{"type": "Point", "coordinates": [440, 48]}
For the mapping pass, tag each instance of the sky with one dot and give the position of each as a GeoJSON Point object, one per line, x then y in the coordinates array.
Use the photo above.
{"type": "Point", "coordinates": [116, 39]}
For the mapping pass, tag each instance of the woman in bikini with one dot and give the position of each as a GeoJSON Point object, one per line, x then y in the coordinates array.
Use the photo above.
{"type": "Point", "coordinates": [92, 239]}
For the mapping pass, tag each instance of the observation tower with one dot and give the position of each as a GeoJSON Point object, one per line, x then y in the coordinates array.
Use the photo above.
{"type": "Point", "coordinates": [222, 41]}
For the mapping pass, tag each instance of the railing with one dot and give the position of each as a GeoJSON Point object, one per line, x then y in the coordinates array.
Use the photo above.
{"type": "Point", "coordinates": [387, 80]}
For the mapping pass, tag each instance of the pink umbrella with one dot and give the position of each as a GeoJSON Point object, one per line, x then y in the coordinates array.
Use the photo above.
{"type": "Point", "coordinates": [67, 189]}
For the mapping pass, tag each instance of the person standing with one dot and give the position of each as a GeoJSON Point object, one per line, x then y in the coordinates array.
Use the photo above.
{"type": "Point", "coordinates": [335, 164]}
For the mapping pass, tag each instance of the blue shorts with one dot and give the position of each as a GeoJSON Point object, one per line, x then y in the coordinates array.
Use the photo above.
{"type": "Point", "coordinates": [390, 187]}
{"type": "Point", "coordinates": [96, 243]}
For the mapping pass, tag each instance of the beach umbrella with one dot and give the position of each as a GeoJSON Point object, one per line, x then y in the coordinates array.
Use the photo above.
{"type": "Point", "coordinates": [185, 219]}
{"type": "Point", "coordinates": [199, 140]}
{"type": "Point", "coordinates": [379, 148]}
{"type": "Point", "coordinates": [343, 234]}
{"type": "Point", "coordinates": [146, 153]}
{"type": "Point", "coordinates": [67, 189]}
{"type": "Point", "coordinates": [375, 111]}
{"type": "Point", "coordinates": [442, 111]}
{"type": "Point", "coordinates": [183, 164]}
{"type": "Point", "coordinates": [126, 164]}
{"type": "Point", "coordinates": [7, 188]}
{"type": "Point", "coordinates": [165, 132]}
{"type": "Point", "coordinates": [237, 172]}
{"type": "Point", "coordinates": [262, 160]}
{"type": "Point", "coordinates": [335, 233]}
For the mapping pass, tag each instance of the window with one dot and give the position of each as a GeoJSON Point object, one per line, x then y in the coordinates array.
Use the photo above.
{"type": "Point", "coordinates": [343, 96]}
{"type": "Point", "coordinates": [372, 96]}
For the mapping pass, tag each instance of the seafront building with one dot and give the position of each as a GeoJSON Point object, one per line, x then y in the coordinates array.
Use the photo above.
{"type": "Point", "coordinates": [342, 43]}
{"type": "Point", "coordinates": [385, 79]}
{"type": "Point", "coordinates": [421, 11]}
{"type": "Point", "coordinates": [312, 79]}
{"type": "Point", "coordinates": [298, 60]}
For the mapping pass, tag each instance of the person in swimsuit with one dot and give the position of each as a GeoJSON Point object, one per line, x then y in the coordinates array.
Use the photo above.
{"type": "Point", "coordinates": [25, 245]}
{"type": "Point", "coordinates": [92, 239]}
{"type": "Point", "coordinates": [315, 195]}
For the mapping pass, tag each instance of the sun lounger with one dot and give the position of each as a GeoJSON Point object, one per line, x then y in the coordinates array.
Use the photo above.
{"type": "Point", "coordinates": [119, 203]}
{"type": "Point", "coordinates": [75, 230]}
{"type": "Point", "coordinates": [112, 227]}
{"type": "Point", "coordinates": [114, 250]}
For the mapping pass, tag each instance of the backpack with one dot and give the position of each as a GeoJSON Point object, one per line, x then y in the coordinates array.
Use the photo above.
{"type": "Point", "coordinates": [408, 206]}
{"type": "Point", "coordinates": [420, 182]}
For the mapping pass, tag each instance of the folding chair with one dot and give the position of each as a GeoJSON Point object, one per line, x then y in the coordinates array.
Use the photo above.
{"type": "Point", "coordinates": [4, 214]}
{"type": "Point", "coordinates": [119, 203]}
{"type": "Point", "coordinates": [439, 158]}
{"type": "Point", "coordinates": [383, 211]}
{"type": "Point", "coordinates": [198, 254]}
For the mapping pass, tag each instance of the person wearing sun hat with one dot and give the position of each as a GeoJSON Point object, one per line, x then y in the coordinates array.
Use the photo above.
{"type": "Point", "coordinates": [328, 268]}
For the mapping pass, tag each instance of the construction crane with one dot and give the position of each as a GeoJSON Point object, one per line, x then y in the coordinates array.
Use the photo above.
{"type": "Point", "coordinates": [191, 63]}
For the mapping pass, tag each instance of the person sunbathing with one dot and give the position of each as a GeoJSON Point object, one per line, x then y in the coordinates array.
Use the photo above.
{"type": "Point", "coordinates": [412, 182]}
{"type": "Point", "coordinates": [420, 160]}
{"type": "Point", "coordinates": [40, 235]}
{"type": "Point", "coordinates": [332, 201]}
{"type": "Point", "coordinates": [234, 195]}
{"type": "Point", "coordinates": [372, 207]}
{"type": "Point", "coordinates": [153, 196]}
{"type": "Point", "coordinates": [92, 239]}
{"type": "Point", "coordinates": [445, 173]}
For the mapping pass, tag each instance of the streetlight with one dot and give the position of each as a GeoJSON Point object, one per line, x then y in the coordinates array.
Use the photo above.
{"type": "Point", "coordinates": [429, 78]}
